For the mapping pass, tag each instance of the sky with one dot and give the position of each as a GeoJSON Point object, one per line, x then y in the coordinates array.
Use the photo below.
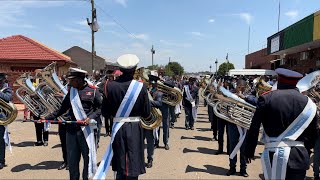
{"type": "Point", "coordinates": [192, 32]}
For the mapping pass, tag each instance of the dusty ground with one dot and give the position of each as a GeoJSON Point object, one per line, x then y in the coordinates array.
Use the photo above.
{"type": "Point", "coordinates": [191, 155]}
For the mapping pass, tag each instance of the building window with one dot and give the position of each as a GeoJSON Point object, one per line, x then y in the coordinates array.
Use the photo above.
{"type": "Point", "coordinates": [304, 56]}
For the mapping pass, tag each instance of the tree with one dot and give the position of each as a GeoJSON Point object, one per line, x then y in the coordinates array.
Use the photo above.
{"type": "Point", "coordinates": [173, 68]}
{"type": "Point", "coordinates": [154, 67]}
{"type": "Point", "coordinates": [224, 68]}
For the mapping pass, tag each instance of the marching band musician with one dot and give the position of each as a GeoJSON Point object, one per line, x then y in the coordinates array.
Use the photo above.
{"type": "Point", "coordinates": [83, 103]}
{"type": "Point", "coordinates": [190, 102]}
{"type": "Point", "coordinates": [127, 101]}
{"type": "Point", "coordinates": [6, 95]}
{"type": "Point", "coordinates": [289, 126]}
{"type": "Point", "coordinates": [42, 130]}
{"type": "Point", "coordinates": [157, 103]}
{"type": "Point", "coordinates": [236, 134]}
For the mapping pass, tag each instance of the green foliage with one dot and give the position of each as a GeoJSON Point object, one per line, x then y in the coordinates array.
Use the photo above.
{"type": "Point", "coordinates": [173, 68]}
{"type": "Point", "coordinates": [154, 67]}
{"type": "Point", "coordinates": [224, 68]}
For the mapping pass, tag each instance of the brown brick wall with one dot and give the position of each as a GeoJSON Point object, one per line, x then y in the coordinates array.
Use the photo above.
{"type": "Point", "coordinates": [292, 61]}
{"type": "Point", "coordinates": [259, 60]}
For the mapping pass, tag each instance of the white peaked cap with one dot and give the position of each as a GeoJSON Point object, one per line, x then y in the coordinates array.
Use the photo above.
{"type": "Point", "coordinates": [77, 70]}
{"type": "Point", "coordinates": [128, 61]}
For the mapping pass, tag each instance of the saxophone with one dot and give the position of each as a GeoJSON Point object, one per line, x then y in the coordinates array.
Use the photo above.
{"type": "Point", "coordinates": [8, 111]}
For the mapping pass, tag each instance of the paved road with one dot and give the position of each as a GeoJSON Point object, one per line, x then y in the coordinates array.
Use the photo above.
{"type": "Point", "coordinates": [191, 155]}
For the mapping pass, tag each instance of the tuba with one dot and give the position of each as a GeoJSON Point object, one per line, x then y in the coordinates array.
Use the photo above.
{"type": "Point", "coordinates": [155, 118]}
{"type": "Point", "coordinates": [8, 111]}
{"type": "Point", "coordinates": [232, 108]}
{"type": "Point", "coordinates": [27, 95]}
{"type": "Point", "coordinates": [171, 95]}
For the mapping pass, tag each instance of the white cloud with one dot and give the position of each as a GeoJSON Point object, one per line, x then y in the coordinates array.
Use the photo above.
{"type": "Point", "coordinates": [122, 2]}
{"type": "Point", "coordinates": [198, 34]}
{"type": "Point", "coordinates": [211, 20]}
{"type": "Point", "coordinates": [71, 30]}
{"type": "Point", "coordinates": [169, 43]}
{"type": "Point", "coordinates": [292, 14]}
{"type": "Point", "coordinates": [247, 17]}
{"type": "Point", "coordinates": [83, 23]}
{"type": "Point", "coordinates": [12, 13]}
{"type": "Point", "coordinates": [139, 36]}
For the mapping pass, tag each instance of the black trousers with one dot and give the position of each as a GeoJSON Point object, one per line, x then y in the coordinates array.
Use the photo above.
{"type": "Point", "coordinates": [123, 177]}
{"type": "Point", "coordinates": [2, 145]}
{"type": "Point", "coordinates": [63, 140]}
{"type": "Point", "coordinates": [213, 121]}
{"type": "Point", "coordinates": [295, 174]}
{"type": "Point", "coordinates": [40, 133]}
{"type": "Point", "coordinates": [97, 132]}
{"type": "Point", "coordinates": [172, 114]}
{"type": "Point", "coordinates": [108, 124]}
{"type": "Point", "coordinates": [77, 145]}
{"type": "Point", "coordinates": [221, 125]}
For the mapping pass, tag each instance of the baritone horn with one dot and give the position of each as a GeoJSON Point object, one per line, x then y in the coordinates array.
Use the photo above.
{"type": "Point", "coordinates": [171, 95]}
{"type": "Point", "coordinates": [8, 111]}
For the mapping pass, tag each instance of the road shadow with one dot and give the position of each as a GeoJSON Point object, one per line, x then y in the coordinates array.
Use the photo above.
{"type": "Point", "coordinates": [23, 144]}
{"type": "Point", "coordinates": [56, 146]}
{"type": "Point", "coordinates": [201, 150]}
{"type": "Point", "coordinates": [53, 133]}
{"type": "Point", "coordinates": [203, 129]}
{"type": "Point", "coordinates": [202, 114]}
{"type": "Point", "coordinates": [203, 121]}
{"type": "Point", "coordinates": [201, 118]}
{"type": "Point", "coordinates": [261, 176]}
{"type": "Point", "coordinates": [208, 169]}
{"type": "Point", "coordinates": [179, 128]}
{"type": "Point", "coordinates": [45, 165]}
{"type": "Point", "coordinates": [200, 138]}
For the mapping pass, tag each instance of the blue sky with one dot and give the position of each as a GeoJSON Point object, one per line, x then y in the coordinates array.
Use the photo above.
{"type": "Point", "coordinates": [191, 32]}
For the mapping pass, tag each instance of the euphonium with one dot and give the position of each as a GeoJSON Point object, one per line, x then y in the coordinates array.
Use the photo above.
{"type": "Point", "coordinates": [8, 112]}
{"type": "Point", "coordinates": [171, 95]}
{"type": "Point", "coordinates": [233, 109]}
{"type": "Point", "coordinates": [50, 76]}
{"type": "Point", "coordinates": [155, 118]}
{"type": "Point", "coordinates": [261, 86]}
{"type": "Point", "coordinates": [26, 94]}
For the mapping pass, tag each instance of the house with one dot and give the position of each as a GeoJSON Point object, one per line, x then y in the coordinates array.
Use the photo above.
{"type": "Point", "coordinates": [84, 59]}
{"type": "Point", "coordinates": [20, 54]}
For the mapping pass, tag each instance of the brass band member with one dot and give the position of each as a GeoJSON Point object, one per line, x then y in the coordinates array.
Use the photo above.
{"type": "Point", "coordinates": [289, 126]}
{"type": "Point", "coordinates": [6, 95]}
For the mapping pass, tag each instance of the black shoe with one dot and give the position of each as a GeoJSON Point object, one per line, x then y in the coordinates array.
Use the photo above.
{"type": "Point", "coordinates": [149, 164]}
{"type": "Point", "coordinates": [156, 146]}
{"type": "Point", "coordinates": [62, 166]}
{"type": "Point", "coordinates": [40, 143]}
{"type": "Point", "coordinates": [231, 172]}
{"type": "Point", "coordinates": [192, 128]}
{"type": "Point", "coordinates": [166, 147]}
{"type": "Point", "coordinates": [187, 128]}
{"type": "Point", "coordinates": [244, 173]}
{"type": "Point", "coordinates": [1, 165]}
{"type": "Point", "coordinates": [219, 152]}
{"type": "Point", "coordinates": [45, 143]}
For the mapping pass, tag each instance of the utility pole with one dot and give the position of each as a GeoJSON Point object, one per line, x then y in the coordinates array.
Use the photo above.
{"type": "Point", "coordinates": [249, 40]}
{"type": "Point", "coordinates": [169, 59]}
{"type": "Point", "coordinates": [94, 28]}
{"type": "Point", "coordinates": [210, 68]}
{"type": "Point", "coordinates": [227, 62]}
{"type": "Point", "coordinates": [152, 53]}
{"type": "Point", "coordinates": [279, 17]}
{"type": "Point", "coordinates": [216, 66]}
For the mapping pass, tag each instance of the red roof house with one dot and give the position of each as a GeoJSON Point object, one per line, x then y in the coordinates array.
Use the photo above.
{"type": "Point", "coordinates": [20, 54]}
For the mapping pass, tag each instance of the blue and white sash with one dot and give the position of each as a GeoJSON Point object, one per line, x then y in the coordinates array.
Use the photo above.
{"type": "Point", "coordinates": [242, 133]}
{"type": "Point", "coordinates": [6, 138]}
{"type": "Point", "coordinates": [281, 145]}
{"type": "Point", "coordinates": [124, 111]}
{"type": "Point", "coordinates": [87, 130]}
{"type": "Point", "coordinates": [192, 101]}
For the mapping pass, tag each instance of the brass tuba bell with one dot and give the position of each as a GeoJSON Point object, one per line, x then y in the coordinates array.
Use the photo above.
{"type": "Point", "coordinates": [8, 112]}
